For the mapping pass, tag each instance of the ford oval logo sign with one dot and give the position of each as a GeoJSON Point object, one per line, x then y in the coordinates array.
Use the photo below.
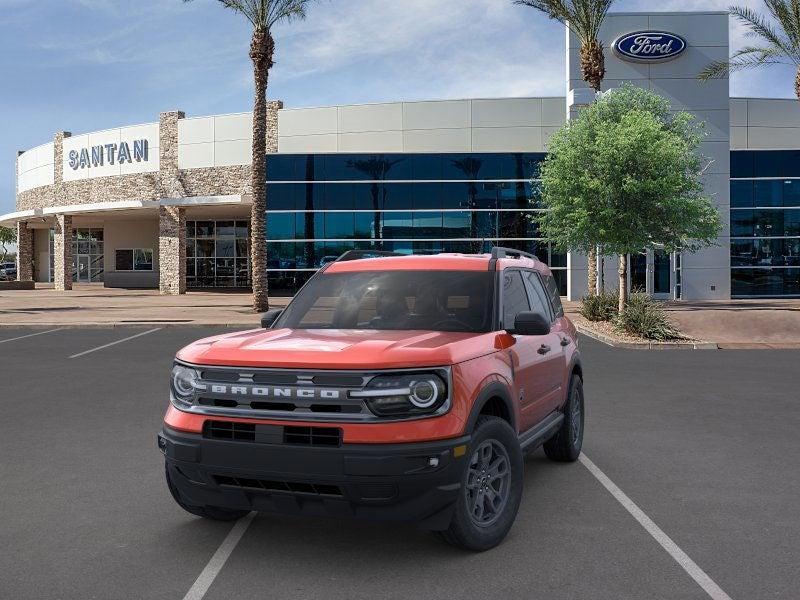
{"type": "Point", "coordinates": [649, 46]}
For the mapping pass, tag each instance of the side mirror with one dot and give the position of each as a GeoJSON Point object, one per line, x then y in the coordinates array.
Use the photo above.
{"type": "Point", "coordinates": [531, 323]}
{"type": "Point", "coordinates": [269, 317]}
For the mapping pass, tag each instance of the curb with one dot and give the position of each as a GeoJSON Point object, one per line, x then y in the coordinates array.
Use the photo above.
{"type": "Point", "coordinates": [645, 345]}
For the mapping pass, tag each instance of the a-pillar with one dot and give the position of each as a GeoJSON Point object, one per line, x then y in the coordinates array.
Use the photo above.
{"type": "Point", "coordinates": [62, 253]}
{"type": "Point", "coordinates": [24, 252]}
{"type": "Point", "coordinates": [171, 250]}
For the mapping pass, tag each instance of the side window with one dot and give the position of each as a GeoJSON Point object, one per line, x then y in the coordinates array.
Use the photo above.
{"type": "Point", "coordinates": [555, 297]}
{"type": "Point", "coordinates": [539, 302]}
{"type": "Point", "coordinates": [515, 299]}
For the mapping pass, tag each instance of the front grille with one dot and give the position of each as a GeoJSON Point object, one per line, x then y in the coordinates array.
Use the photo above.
{"type": "Point", "coordinates": [314, 489]}
{"type": "Point", "coordinates": [273, 434]}
{"type": "Point", "coordinates": [312, 436]}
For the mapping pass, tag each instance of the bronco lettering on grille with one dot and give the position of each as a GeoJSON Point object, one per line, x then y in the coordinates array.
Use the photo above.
{"type": "Point", "coordinates": [272, 392]}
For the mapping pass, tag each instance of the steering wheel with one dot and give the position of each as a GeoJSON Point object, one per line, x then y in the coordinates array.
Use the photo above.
{"type": "Point", "coordinates": [452, 320]}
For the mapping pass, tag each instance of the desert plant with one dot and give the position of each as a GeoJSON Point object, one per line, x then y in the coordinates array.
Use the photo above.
{"type": "Point", "coordinates": [600, 307]}
{"type": "Point", "coordinates": [779, 36]}
{"type": "Point", "coordinates": [646, 318]}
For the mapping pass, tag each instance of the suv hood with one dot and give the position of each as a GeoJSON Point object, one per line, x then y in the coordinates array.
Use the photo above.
{"type": "Point", "coordinates": [339, 348]}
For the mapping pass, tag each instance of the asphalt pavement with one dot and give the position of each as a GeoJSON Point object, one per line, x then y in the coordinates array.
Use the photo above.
{"type": "Point", "coordinates": [703, 442]}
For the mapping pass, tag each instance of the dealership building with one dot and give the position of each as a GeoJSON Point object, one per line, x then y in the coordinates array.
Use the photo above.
{"type": "Point", "coordinates": [167, 204]}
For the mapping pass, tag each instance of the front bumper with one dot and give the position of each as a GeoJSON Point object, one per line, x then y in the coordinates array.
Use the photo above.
{"type": "Point", "coordinates": [417, 482]}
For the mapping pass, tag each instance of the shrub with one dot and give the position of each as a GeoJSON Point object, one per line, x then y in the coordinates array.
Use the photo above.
{"type": "Point", "coordinates": [645, 318]}
{"type": "Point", "coordinates": [601, 307]}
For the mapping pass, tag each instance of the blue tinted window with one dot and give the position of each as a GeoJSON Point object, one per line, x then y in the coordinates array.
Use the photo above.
{"type": "Point", "coordinates": [768, 163]}
{"type": "Point", "coordinates": [426, 195]}
{"type": "Point", "coordinates": [791, 192]}
{"type": "Point", "coordinates": [280, 226]}
{"type": "Point", "coordinates": [455, 195]}
{"type": "Point", "coordinates": [427, 224]}
{"type": "Point", "coordinates": [339, 225]}
{"type": "Point", "coordinates": [426, 166]}
{"type": "Point", "coordinates": [457, 224]}
{"type": "Point", "coordinates": [339, 196]}
{"type": "Point", "coordinates": [281, 167]}
{"type": "Point", "coordinates": [741, 194]}
{"type": "Point", "coordinates": [398, 225]}
{"type": "Point", "coordinates": [365, 225]}
{"type": "Point", "coordinates": [282, 196]}
{"type": "Point", "coordinates": [397, 196]}
{"type": "Point", "coordinates": [742, 223]}
{"type": "Point", "coordinates": [768, 193]}
{"type": "Point", "coordinates": [742, 164]}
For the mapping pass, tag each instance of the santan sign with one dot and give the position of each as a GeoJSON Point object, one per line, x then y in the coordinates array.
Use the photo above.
{"type": "Point", "coordinates": [649, 46]}
{"type": "Point", "coordinates": [97, 156]}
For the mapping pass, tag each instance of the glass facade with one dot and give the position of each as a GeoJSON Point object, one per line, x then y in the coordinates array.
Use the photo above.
{"type": "Point", "coordinates": [321, 205]}
{"type": "Point", "coordinates": [765, 223]}
{"type": "Point", "coordinates": [88, 262]}
{"type": "Point", "coordinates": [217, 254]}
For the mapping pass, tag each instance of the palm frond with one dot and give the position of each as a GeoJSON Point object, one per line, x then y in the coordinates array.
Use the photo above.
{"type": "Point", "coordinates": [785, 13]}
{"type": "Point", "coordinates": [583, 17]}
{"type": "Point", "coordinates": [759, 26]}
{"type": "Point", "coordinates": [745, 58]}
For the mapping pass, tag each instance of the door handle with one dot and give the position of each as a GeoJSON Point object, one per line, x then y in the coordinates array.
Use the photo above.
{"type": "Point", "coordinates": [543, 349]}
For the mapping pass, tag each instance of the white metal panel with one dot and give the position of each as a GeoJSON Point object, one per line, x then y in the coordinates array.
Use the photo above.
{"type": "Point", "coordinates": [371, 117]}
{"type": "Point", "coordinates": [767, 138]}
{"type": "Point", "coordinates": [773, 112]}
{"type": "Point", "coordinates": [196, 131]}
{"type": "Point", "coordinates": [716, 122]}
{"type": "Point", "coordinates": [233, 127]}
{"type": "Point", "coordinates": [437, 140]}
{"type": "Point", "coordinates": [691, 94]}
{"type": "Point", "coordinates": [507, 112]}
{"type": "Point", "coordinates": [507, 139]}
{"type": "Point", "coordinates": [739, 138]}
{"type": "Point", "coordinates": [690, 63]}
{"type": "Point", "coordinates": [698, 29]}
{"type": "Point", "coordinates": [547, 133]}
{"type": "Point", "coordinates": [738, 109]}
{"type": "Point", "coordinates": [300, 144]}
{"type": "Point", "coordinates": [371, 141]}
{"type": "Point", "coordinates": [307, 121]}
{"type": "Point", "coordinates": [195, 156]}
{"type": "Point", "coordinates": [233, 152]}
{"type": "Point", "coordinates": [445, 114]}
{"type": "Point", "coordinates": [554, 111]}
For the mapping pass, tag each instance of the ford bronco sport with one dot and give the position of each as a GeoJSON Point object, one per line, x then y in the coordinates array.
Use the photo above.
{"type": "Point", "coordinates": [393, 387]}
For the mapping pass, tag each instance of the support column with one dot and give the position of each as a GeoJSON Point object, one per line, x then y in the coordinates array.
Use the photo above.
{"type": "Point", "coordinates": [62, 250]}
{"type": "Point", "coordinates": [171, 250]}
{"type": "Point", "coordinates": [24, 252]}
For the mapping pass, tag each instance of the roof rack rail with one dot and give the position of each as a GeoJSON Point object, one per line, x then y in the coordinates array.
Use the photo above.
{"type": "Point", "coordinates": [361, 254]}
{"type": "Point", "coordinates": [500, 252]}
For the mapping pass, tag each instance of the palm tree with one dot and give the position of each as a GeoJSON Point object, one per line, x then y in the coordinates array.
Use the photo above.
{"type": "Point", "coordinates": [584, 19]}
{"type": "Point", "coordinates": [780, 41]}
{"type": "Point", "coordinates": [263, 15]}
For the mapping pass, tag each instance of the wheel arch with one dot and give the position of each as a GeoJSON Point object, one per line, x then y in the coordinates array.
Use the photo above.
{"type": "Point", "coordinates": [494, 399]}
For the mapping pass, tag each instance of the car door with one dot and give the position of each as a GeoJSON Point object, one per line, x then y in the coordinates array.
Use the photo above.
{"type": "Point", "coordinates": [528, 361]}
{"type": "Point", "coordinates": [554, 362]}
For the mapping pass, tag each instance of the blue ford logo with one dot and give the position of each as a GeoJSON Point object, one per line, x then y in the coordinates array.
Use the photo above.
{"type": "Point", "coordinates": [649, 46]}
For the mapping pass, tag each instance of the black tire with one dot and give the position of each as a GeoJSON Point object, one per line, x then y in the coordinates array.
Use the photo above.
{"type": "Point", "coordinates": [215, 513]}
{"type": "Point", "coordinates": [566, 444]}
{"type": "Point", "coordinates": [464, 530]}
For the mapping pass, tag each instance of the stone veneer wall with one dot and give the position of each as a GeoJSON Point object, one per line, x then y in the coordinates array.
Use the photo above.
{"type": "Point", "coordinates": [171, 250]}
{"type": "Point", "coordinates": [62, 251]}
{"type": "Point", "coordinates": [24, 252]}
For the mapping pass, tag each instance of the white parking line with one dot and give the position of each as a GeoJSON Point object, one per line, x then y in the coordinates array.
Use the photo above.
{"type": "Point", "coordinates": [22, 337]}
{"type": "Point", "coordinates": [214, 566]}
{"type": "Point", "coordinates": [115, 343]}
{"type": "Point", "coordinates": [688, 565]}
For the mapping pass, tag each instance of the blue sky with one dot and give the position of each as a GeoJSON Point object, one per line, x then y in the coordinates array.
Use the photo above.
{"type": "Point", "coordinates": [84, 65]}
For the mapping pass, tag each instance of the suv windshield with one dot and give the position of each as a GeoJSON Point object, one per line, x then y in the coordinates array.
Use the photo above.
{"type": "Point", "coordinates": [397, 300]}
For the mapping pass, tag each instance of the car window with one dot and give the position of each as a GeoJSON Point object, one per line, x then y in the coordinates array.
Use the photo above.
{"type": "Point", "coordinates": [555, 296]}
{"type": "Point", "coordinates": [538, 296]}
{"type": "Point", "coordinates": [515, 299]}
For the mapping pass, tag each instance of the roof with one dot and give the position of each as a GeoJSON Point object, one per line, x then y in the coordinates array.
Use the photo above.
{"type": "Point", "coordinates": [431, 262]}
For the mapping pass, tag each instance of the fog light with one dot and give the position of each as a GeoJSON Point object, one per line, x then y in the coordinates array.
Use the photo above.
{"type": "Point", "coordinates": [433, 462]}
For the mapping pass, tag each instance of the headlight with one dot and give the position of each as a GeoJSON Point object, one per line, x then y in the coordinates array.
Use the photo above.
{"type": "Point", "coordinates": [404, 394]}
{"type": "Point", "coordinates": [183, 383]}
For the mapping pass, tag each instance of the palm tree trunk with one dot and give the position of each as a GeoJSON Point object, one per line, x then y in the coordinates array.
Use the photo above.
{"type": "Point", "coordinates": [593, 67]}
{"type": "Point", "coordinates": [797, 84]}
{"type": "Point", "coordinates": [623, 282]}
{"type": "Point", "coordinates": [592, 272]}
{"type": "Point", "coordinates": [261, 51]}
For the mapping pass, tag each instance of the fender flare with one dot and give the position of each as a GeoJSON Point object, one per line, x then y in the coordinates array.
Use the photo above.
{"type": "Point", "coordinates": [494, 389]}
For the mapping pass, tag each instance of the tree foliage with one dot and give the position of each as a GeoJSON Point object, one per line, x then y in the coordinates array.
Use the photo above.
{"type": "Point", "coordinates": [8, 236]}
{"type": "Point", "coordinates": [626, 174]}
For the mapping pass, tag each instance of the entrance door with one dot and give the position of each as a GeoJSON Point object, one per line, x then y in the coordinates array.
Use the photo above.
{"type": "Point", "coordinates": [651, 272]}
{"type": "Point", "coordinates": [83, 268]}
{"type": "Point", "coordinates": [662, 271]}
{"type": "Point", "coordinates": [638, 271]}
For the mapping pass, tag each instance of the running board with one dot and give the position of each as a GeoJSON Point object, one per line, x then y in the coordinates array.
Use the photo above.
{"type": "Point", "coordinates": [533, 438]}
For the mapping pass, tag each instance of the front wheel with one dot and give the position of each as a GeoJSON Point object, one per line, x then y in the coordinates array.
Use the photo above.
{"type": "Point", "coordinates": [565, 445]}
{"type": "Point", "coordinates": [215, 513]}
{"type": "Point", "coordinates": [491, 488]}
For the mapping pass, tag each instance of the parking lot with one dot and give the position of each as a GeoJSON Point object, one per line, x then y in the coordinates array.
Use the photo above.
{"type": "Point", "coordinates": [703, 443]}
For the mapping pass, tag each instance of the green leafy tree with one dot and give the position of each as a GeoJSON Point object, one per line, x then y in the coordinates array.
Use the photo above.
{"type": "Point", "coordinates": [584, 19]}
{"type": "Point", "coordinates": [263, 15]}
{"type": "Point", "coordinates": [8, 236]}
{"type": "Point", "coordinates": [626, 174]}
{"type": "Point", "coordinates": [778, 40]}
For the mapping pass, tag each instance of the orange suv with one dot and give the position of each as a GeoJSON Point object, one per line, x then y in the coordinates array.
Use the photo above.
{"type": "Point", "coordinates": [391, 387]}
